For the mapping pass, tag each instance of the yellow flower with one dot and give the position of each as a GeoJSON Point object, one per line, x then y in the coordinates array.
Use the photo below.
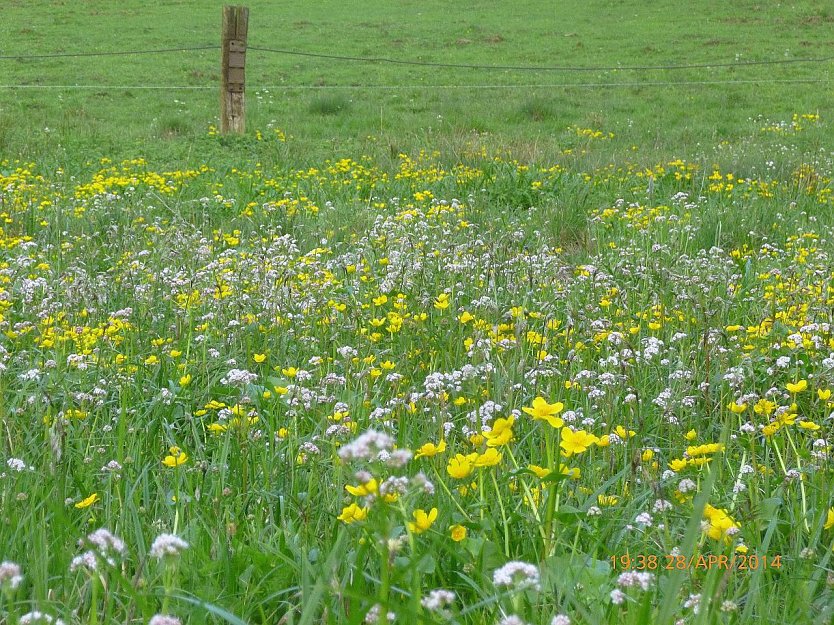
{"type": "Point", "coordinates": [422, 521]}
{"type": "Point", "coordinates": [770, 429]}
{"type": "Point", "coordinates": [543, 411]}
{"type": "Point", "coordinates": [185, 380]}
{"type": "Point", "coordinates": [623, 433]}
{"type": "Point", "coordinates": [576, 442]}
{"type": "Point", "coordinates": [573, 473]}
{"type": "Point", "coordinates": [540, 472]}
{"type": "Point", "coordinates": [678, 464]}
{"type": "Point", "coordinates": [290, 372]}
{"type": "Point", "coordinates": [809, 425]}
{"type": "Point", "coordinates": [352, 514]}
{"type": "Point", "coordinates": [690, 435]}
{"type": "Point", "coordinates": [720, 523]}
{"type": "Point", "coordinates": [823, 394]}
{"type": "Point", "coordinates": [489, 458]}
{"type": "Point", "coordinates": [89, 501]}
{"type": "Point", "coordinates": [465, 317]}
{"type": "Point", "coordinates": [458, 532]}
{"type": "Point", "coordinates": [501, 432]}
{"type": "Point", "coordinates": [176, 458]}
{"type": "Point", "coordinates": [259, 358]}
{"type": "Point", "coordinates": [368, 488]}
{"type": "Point", "coordinates": [797, 387]}
{"type": "Point", "coordinates": [737, 408]}
{"type": "Point", "coordinates": [701, 450]}
{"type": "Point", "coordinates": [607, 500]}
{"type": "Point", "coordinates": [430, 449]}
{"type": "Point", "coordinates": [764, 407]}
{"type": "Point", "coordinates": [441, 302]}
{"type": "Point", "coordinates": [460, 467]}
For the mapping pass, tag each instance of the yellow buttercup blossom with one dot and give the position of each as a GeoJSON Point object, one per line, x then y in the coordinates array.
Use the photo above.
{"type": "Point", "coordinates": [489, 458]}
{"type": "Point", "coordinates": [352, 514]}
{"type": "Point", "coordinates": [430, 449]}
{"type": "Point", "coordinates": [363, 490]}
{"type": "Point", "coordinates": [501, 432]}
{"type": "Point", "coordinates": [573, 473]}
{"type": "Point", "coordinates": [540, 472]}
{"type": "Point", "coordinates": [460, 467]}
{"type": "Point", "coordinates": [701, 450]}
{"type": "Point", "coordinates": [829, 519]}
{"type": "Point", "coordinates": [576, 442]}
{"type": "Point", "coordinates": [764, 407]}
{"type": "Point", "coordinates": [737, 408]}
{"type": "Point", "coordinates": [721, 524]}
{"type": "Point", "coordinates": [176, 457]}
{"type": "Point", "coordinates": [797, 387]}
{"type": "Point", "coordinates": [422, 520]}
{"type": "Point", "coordinates": [824, 395]}
{"type": "Point", "coordinates": [541, 410]}
{"type": "Point", "coordinates": [457, 532]}
{"type": "Point", "coordinates": [89, 501]}
{"type": "Point", "coordinates": [770, 429]}
{"type": "Point", "coordinates": [259, 358]}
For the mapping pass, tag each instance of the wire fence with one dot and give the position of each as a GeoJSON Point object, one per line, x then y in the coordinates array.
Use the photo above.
{"type": "Point", "coordinates": [439, 65]}
{"type": "Point", "coordinates": [570, 85]}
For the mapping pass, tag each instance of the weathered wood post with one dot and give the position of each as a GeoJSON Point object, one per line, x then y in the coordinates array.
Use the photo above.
{"type": "Point", "coordinates": [232, 69]}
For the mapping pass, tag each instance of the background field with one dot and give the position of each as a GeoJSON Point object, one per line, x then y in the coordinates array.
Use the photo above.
{"type": "Point", "coordinates": [329, 108]}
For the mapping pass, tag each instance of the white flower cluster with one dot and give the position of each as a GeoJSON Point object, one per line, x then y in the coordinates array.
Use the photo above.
{"type": "Point", "coordinates": [366, 446]}
{"type": "Point", "coordinates": [238, 377]}
{"type": "Point", "coordinates": [105, 546]}
{"type": "Point", "coordinates": [517, 575]}
{"type": "Point", "coordinates": [439, 601]}
{"type": "Point", "coordinates": [164, 619]}
{"type": "Point", "coordinates": [30, 618]}
{"type": "Point", "coordinates": [167, 545]}
{"type": "Point", "coordinates": [11, 575]}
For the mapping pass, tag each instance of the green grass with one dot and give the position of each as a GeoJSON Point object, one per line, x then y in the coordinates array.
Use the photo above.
{"type": "Point", "coordinates": [326, 105]}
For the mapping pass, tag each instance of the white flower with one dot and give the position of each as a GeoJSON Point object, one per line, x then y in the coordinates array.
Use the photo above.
{"type": "Point", "coordinates": [104, 541]}
{"type": "Point", "coordinates": [11, 574]}
{"type": "Point", "coordinates": [560, 619]}
{"type": "Point", "coordinates": [16, 464]}
{"type": "Point", "coordinates": [167, 545]}
{"type": "Point", "coordinates": [38, 617]}
{"type": "Point", "coordinates": [512, 619]}
{"type": "Point", "coordinates": [437, 600]}
{"type": "Point", "coordinates": [517, 575]}
{"type": "Point", "coordinates": [164, 619]}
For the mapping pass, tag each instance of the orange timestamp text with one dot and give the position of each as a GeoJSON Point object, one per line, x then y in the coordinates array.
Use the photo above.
{"type": "Point", "coordinates": [673, 562]}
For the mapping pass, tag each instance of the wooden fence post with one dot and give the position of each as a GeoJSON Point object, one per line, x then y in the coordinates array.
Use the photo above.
{"type": "Point", "coordinates": [232, 69]}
